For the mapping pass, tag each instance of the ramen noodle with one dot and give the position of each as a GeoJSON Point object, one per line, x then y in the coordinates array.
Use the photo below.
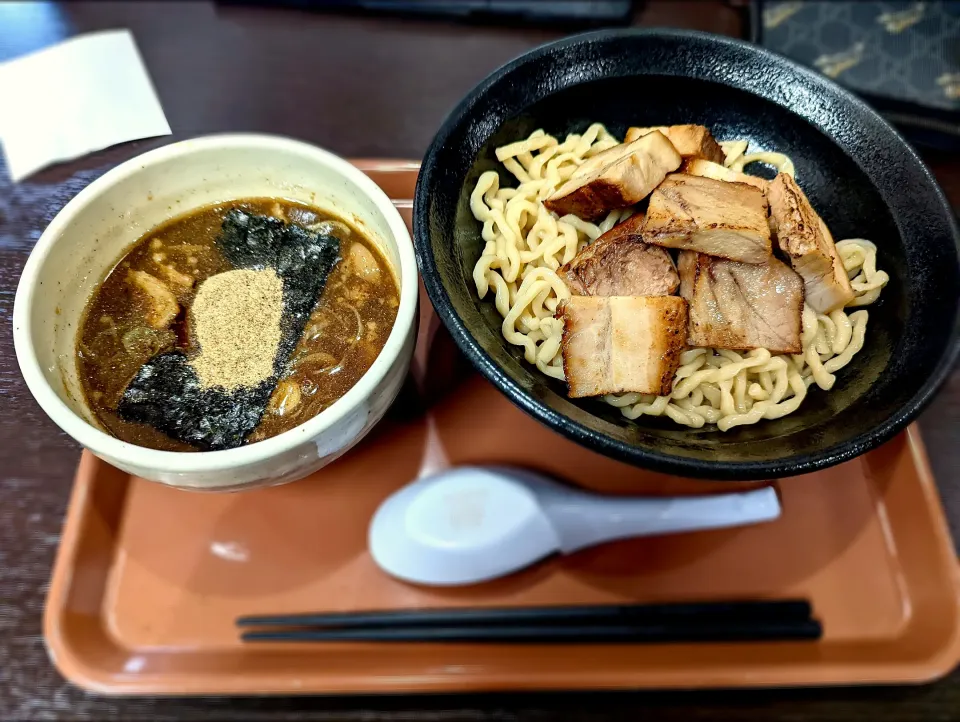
{"type": "Point", "coordinates": [525, 245]}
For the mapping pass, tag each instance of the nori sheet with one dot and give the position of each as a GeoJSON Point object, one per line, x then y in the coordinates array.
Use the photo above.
{"type": "Point", "coordinates": [166, 392]}
{"type": "Point", "coordinates": [303, 260]}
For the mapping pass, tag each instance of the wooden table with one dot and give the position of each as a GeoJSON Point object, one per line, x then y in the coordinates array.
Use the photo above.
{"type": "Point", "coordinates": [363, 88]}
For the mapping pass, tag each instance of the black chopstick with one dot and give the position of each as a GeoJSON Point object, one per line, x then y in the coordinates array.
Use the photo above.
{"type": "Point", "coordinates": [688, 612]}
{"type": "Point", "coordinates": [692, 612]}
{"type": "Point", "coordinates": [806, 629]}
{"type": "Point", "coordinates": [672, 622]}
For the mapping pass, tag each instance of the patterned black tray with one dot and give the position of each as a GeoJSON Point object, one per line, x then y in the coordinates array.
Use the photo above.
{"type": "Point", "coordinates": [902, 57]}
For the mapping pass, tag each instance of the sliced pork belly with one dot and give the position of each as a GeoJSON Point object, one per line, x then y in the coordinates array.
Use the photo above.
{"type": "Point", "coordinates": [742, 305]}
{"type": "Point", "coordinates": [616, 344]}
{"type": "Point", "coordinates": [708, 169]}
{"type": "Point", "coordinates": [162, 306]}
{"type": "Point", "coordinates": [691, 141]}
{"type": "Point", "coordinates": [618, 263]}
{"type": "Point", "coordinates": [616, 178]}
{"type": "Point", "coordinates": [805, 239]}
{"type": "Point", "coordinates": [728, 220]}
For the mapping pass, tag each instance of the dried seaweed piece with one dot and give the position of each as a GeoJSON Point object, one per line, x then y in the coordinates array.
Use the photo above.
{"type": "Point", "coordinates": [166, 392]}
{"type": "Point", "coordinates": [167, 395]}
{"type": "Point", "coordinates": [250, 241]}
{"type": "Point", "coordinates": [303, 260]}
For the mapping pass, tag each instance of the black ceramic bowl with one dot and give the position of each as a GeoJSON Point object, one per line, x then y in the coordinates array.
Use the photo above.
{"type": "Point", "coordinates": [858, 172]}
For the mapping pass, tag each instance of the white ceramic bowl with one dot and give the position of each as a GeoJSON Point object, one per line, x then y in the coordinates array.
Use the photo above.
{"type": "Point", "coordinates": [94, 229]}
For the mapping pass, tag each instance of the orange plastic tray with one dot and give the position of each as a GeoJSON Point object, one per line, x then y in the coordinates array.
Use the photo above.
{"type": "Point", "coordinates": [148, 580]}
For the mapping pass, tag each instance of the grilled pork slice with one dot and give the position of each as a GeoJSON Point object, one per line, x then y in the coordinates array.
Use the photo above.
{"type": "Point", "coordinates": [728, 220]}
{"type": "Point", "coordinates": [162, 306]}
{"type": "Point", "coordinates": [691, 141]}
{"type": "Point", "coordinates": [708, 169]}
{"type": "Point", "coordinates": [804, 237]}
{"type": "Point", "coordinates": [618, 263]}
{"type": "Point", "coordinates": [616, 344]}
{"type": "Point", "coordinates": [742, 305]}
{"type": "Point", "coordinates": [616, 178]}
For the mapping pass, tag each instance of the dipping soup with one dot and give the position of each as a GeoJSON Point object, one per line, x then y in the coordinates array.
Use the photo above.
{"type": "Point", "coordinates": [144, 321]}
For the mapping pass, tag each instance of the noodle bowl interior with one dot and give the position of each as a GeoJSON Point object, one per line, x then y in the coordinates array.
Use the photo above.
{"type": "Point", "coordinates": [660, 276]}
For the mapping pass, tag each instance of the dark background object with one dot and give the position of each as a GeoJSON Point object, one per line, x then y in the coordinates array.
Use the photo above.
{"type": "Point", "coordinates": [902, 57]}
{"type": "Point", "coordinates": [361, 87]}
{"type": "Point", "coordinates": [629, 77]}
{"type": "Point", "coordinates": [578, 13]}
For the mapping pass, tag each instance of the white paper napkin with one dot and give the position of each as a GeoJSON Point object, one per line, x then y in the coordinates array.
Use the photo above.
{"type": "Point", "coordinates": [79, 96]}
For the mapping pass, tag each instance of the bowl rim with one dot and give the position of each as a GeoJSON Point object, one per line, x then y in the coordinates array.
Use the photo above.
{"type": "Point", "coordinates": [180, 462]}
{"type": "Point", "coordinates": [599, 441]}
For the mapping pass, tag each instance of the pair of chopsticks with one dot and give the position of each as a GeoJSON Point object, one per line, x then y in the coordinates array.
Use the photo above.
{"type": "Point", "coordinates": [738, 621]}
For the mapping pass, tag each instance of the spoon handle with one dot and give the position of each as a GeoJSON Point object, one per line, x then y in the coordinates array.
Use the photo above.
{"type": "Point", "coordinates": [583, 520]}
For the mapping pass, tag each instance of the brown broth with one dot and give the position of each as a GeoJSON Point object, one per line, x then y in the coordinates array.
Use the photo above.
{"type": "Point", "coordinates": [344, 335]}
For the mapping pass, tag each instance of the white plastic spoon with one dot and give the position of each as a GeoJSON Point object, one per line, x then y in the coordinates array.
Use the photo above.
{"type": "Point", "coordinates": [471, 524]}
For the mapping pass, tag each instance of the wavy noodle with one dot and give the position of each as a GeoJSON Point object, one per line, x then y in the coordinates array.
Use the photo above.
{"type": "Point", "coordinates": [525, 245]}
